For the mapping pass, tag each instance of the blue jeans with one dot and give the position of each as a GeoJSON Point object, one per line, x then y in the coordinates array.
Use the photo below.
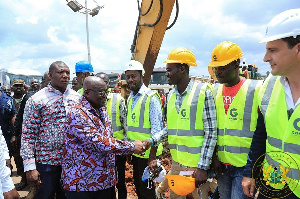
{"type": "Point", "coordinates": [230, 184]}
{"type": "Point", "coordinates": [50, 176]}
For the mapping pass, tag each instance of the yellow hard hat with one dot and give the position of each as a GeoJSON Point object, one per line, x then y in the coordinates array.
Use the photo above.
{"type": "Point", "coordinates": [225, 53]}
{"type": "Point", "coordinates": [181, 185]}
{"type": "Point", "coordinates": [182, 56]}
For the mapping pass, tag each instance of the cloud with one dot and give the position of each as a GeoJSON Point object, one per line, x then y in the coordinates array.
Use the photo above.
{"type": "Point", "coordinates": [35, 33]}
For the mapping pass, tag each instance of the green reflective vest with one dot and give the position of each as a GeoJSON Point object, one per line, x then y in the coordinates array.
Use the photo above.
{"type": "Point", "coordinates": [185, 129]}
{"type": "Point", "coordinates": [236, 128]}
{"type": "Point", "coordinates": [113, 109]}
{"type": "Point", "coordinates": [80, 91]}
{"type": "Point", "coordinates": [138, 121]}
{"type": "Point", "coordinates": [283, 134]}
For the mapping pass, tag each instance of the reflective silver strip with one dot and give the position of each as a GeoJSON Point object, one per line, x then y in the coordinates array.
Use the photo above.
{"type": "Point", "coordinates": [114, 113]}
{"type": "Point", "coordinates": [216, 89]}
{"type": "Point", "coordinates": [245, 132]}
{"type": "Point", "coordinates": [267, 95]}
{"type": "Point", "coordinates": [194, 106]}
{"type": "Point", "coordinates": [292, 148]}
{"type": "Point", "coordinates": [140, 128]}
{"type": "Point", "coordinates": [193, 112]}
{"type": "Point", "coordinates": [182, 132]}
{"type": "Point", "coordinates": [183, 148]}
{"type": "Point", "coordinates": [248, 107]}
{"type": "Point", "coordinates": [292, 173]}
{"type": "Point", "coordinates": [234, 149]}
{"type": "Point", "coordinates": [275, 142]}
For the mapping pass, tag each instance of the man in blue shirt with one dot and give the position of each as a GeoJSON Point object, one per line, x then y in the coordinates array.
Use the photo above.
{"type": "Point", "coordinates": [7, 117]}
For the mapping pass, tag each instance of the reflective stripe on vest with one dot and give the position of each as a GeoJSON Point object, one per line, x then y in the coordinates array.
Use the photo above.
{"type": "Point", "coordinates": [113, 109]}
{"type": "Point", "coordinates": [229, 137]}
{"type": "Point", "coordinates": [185, 142]}
{"type": "Point", "coordinates": [140, 132]}
{"type": "Point", "coordinates": [283, 133]}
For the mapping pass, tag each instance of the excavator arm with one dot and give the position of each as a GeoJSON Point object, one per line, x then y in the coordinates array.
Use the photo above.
{"type": "Point", "coordinates": [151, 26]}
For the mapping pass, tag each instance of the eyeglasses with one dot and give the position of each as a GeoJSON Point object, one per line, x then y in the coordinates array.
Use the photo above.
{"type": "Point", "coordinates": [102, 93]}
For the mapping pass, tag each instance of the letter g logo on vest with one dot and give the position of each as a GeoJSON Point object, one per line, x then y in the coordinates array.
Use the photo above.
{"type": "Point", "coordinates": [233, 112]}
{"type": "Point", "coordinates": [133, 116]}
{"type": "Point", "coordinates": [296, 126]}
{"type": "Point", "coordinates": [183, 112]}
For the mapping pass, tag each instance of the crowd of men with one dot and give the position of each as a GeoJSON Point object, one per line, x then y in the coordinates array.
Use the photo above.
{"type": "Point", "coordinates": [73, 142]}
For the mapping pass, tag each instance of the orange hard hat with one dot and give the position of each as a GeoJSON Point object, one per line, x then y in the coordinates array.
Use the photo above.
{"type": "Point", "coordinates": [181, 185]}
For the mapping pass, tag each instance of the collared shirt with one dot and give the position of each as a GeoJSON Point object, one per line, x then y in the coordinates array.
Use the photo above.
{"type": "Point", "coordinates": [7, 111]}
{"type": "Point", "coordinates": [44, 124]}
{"type": "Point", "coordinates": [155, 113]}
{"type": "Point", "coordinates": [89, 152]}
{"type": "Point", "coordinates": [123, 113]}
{"type": "Point", "coordinates": [209, 124]}
{"type": "Point", "coordinates": [288, 93]}
{"type": "Point", "coordinates": [5, 179]}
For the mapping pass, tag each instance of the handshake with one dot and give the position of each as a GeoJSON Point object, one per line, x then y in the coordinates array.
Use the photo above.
{"type": "Point", "coordinates": [141, 146]}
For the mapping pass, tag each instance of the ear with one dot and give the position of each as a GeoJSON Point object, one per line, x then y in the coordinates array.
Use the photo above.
{"type": "Point", "coordinates": [50, 75]}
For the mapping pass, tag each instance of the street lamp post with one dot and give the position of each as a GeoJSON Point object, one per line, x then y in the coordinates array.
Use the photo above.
{"type": "Point", "coordinates": [75, 6]}
{"type": "Point", "coordinates": [87, 34]}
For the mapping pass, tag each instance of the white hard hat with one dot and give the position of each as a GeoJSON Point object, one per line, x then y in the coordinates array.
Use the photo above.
{"type": "Point", "coordinates": [134, 65]}
{"type": "Point", "coordinates": [285, 24]}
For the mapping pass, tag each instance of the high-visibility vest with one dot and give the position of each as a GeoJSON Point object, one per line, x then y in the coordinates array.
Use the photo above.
{"type": "Point", "coordinates": [138, 121]}
{"type": "Point", "coordinates": [80, 91]}
{"type": "Point", "coordinates": [236, 128]}
{"type": "Point", "coordinates": [185, 129]}
{"type": "Point", "coordinates": [282, 144]}
{"type": "Point", "coordinates": [113, 109]}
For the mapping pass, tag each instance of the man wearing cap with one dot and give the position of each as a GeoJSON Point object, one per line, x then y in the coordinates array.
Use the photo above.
{"type": "Point", "coordinates": [191, 120]}
{"type": "Point", "coordinates": [276, 139]}
{"type": "Point", "coordinates": [19, 93]}
{"type": "Point", "coordinates": [236, 103]}
{"type": "Point", "coordinates": [83, 69]}
{"type": "Point", "coordinates": [144, 119]}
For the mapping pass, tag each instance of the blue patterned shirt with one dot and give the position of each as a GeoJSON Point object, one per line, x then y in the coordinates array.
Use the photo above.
{"type": "Point", "coordinates": [209, 123]}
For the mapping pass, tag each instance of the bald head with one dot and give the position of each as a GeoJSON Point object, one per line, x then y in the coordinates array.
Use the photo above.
{"type": "Point", "coordinates": [95, 91]}
{"type": "Point", "coordinates": [93, 82]}
{"type": "Point", "coordinates": [104, 76]}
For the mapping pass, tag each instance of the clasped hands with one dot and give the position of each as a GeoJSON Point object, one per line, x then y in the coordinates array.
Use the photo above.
{"type": "Point", "coordinates": [141, 146]}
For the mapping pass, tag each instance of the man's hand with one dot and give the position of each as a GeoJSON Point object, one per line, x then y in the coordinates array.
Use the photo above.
{"type": "Point", "coordinates": [147, 143]}
{"type": "Point", "coordinates": [33, 178]}
{"type": "Point", "coordinates": [216, 164]}
{"type": "Point", "coordinates": [14, 142]}
{"type": "Point", "coordinates": [139, 147]}
{"type": "Point", "coordinates": [248, 186]}
{"type": "Point", "coordinates": [12, 194]}
{"type": "Point", "coordinates": [200, 176]}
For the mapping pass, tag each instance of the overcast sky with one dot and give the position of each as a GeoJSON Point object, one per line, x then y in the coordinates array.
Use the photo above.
{"type": "Point", "coordinates": [35, 33]}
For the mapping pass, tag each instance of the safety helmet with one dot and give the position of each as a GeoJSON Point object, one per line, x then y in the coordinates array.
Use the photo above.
{"type": "Point", "coordinates": [285, 24]}
{"type": "Point", "coordinates": [182, 56]}
{"type": "Point", "coordinates": [83, 66]}
{"type": "Point", "coordinates": [225, 53]}
{"type": "Point", "coordinates": [134, 65]}
{"type": "Point", "coordinates": [181, 185]}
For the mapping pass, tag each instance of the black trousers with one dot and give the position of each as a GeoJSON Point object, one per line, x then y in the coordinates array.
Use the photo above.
{"type": "Point", "coordinates": [121, 185]}
{"type": "Point", "coordinates": [101, 194]}
{"type": "Point", "coordinates": [139, 165]}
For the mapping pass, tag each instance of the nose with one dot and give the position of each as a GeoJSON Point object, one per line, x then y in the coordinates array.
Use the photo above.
{"type": "Point", "coordinates": [266, 57]}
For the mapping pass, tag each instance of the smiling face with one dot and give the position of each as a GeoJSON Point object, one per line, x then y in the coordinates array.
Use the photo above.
{"type": "Point", "coordinates": [283, 60]}
{"type": "Point", "coordinates": [95, 91]}
{"type": "Point", "coordinates": [134, 80]}
{"type": "Point", "coordinates": [60, 76]}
